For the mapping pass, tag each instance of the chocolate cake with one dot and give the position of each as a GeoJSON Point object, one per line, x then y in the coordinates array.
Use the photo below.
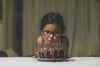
{"type": "Point", "coordinates": [51, 51]}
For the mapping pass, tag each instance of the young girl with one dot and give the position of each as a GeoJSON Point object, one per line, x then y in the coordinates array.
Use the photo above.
{"type": "Point", "coordinates": [52, 29]}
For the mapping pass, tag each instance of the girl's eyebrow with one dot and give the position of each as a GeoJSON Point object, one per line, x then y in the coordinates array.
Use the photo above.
{"type": "Point", "coordinates": [46, 30]}
{"type": "Point", "coordinates": [50, 31]}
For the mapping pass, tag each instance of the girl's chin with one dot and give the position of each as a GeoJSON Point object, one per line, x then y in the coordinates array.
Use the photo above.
{"type": "Point", "coordinates": [52, 40]}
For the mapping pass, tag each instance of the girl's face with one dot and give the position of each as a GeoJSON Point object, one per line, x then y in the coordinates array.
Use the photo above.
{"type": "Point", "coordinates": [51, 32]}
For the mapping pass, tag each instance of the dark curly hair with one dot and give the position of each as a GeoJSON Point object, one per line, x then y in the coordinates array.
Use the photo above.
{"type": "Point", "coordinates": [51, 18]}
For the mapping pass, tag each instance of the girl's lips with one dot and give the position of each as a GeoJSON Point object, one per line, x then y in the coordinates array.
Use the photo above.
{"type": "Point", "coordinates": [50, 39]}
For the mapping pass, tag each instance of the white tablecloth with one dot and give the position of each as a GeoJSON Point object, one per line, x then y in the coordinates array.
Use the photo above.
{"type": "Point", "coordinates": [31, 62]}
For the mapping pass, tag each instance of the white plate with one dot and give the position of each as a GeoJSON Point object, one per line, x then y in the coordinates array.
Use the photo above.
{"type": "Point", "coordinates": [46, 59]}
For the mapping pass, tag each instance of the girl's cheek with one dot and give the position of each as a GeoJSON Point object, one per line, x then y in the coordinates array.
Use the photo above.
{"type": "Point", "coordinates": [55, 38]}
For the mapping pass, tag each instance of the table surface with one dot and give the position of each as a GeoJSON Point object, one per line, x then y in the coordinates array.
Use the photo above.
{"type": "Point", "coordinates": [32, 62]}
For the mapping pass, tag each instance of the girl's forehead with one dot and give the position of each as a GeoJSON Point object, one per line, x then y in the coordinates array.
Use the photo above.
{"type": "Point", "coordinates": [52, 27]}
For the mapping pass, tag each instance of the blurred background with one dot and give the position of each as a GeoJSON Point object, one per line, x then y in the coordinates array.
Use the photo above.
{"type": "Point", "coordinates": [20, 25]}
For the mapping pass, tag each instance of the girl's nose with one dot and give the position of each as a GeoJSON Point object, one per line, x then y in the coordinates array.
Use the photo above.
{"type": "Point", "coordinates": [51, 35]}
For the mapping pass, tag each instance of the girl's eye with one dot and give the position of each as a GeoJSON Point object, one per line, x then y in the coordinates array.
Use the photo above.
{"type": "Point", "coordinates": [56, 32]}
{"type": "Point", "coordinates": [47, 32]}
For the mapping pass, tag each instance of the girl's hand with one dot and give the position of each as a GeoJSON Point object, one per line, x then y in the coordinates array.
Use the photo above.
{"type": "Point", "coordinates": [46, 39]}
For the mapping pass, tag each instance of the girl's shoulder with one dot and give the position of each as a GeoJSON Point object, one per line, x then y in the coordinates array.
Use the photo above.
{"type": "Point", "coordinates": [40, 40]}
{"type": "Point", "coordinates": [64, 39]}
